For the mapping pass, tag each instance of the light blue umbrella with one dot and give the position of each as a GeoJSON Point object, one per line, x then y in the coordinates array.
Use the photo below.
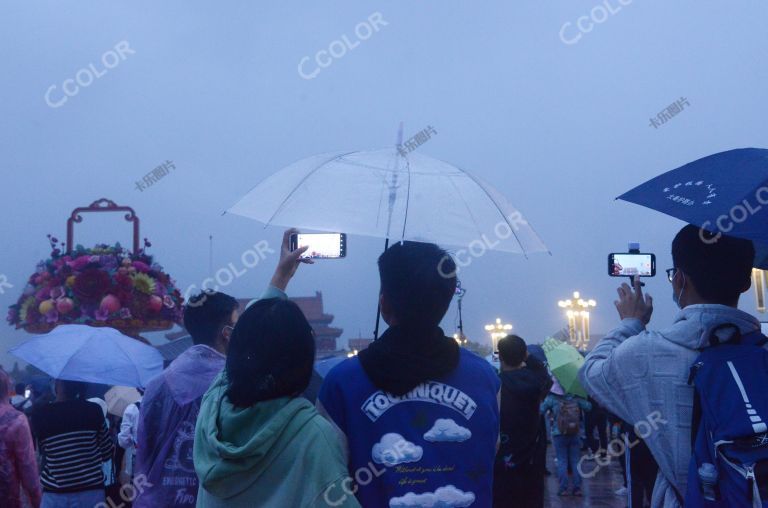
{"type": "Point", "coordinates": [91, 354]}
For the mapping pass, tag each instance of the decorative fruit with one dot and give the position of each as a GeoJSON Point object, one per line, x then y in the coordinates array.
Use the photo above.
{"type": "Point", "coordinates": [155, 303]}
{"type": "Point", "coordinates": [46, 306]}
{"type": "Point", "coordinates": [65, 305]}
{"type": "Point", "coordinates": [110, 303]}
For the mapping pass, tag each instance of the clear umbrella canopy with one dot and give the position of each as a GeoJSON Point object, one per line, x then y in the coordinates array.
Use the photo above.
{"type": "Point", "coordinates": [384, 194]}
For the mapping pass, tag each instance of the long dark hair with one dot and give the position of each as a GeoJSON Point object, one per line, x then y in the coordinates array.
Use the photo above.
{"type": "Point", "coordinates": [271, 353]}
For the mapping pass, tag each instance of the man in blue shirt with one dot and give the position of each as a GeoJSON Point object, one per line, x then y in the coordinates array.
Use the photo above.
{"type": "Point", "coordinates": [419, 414]}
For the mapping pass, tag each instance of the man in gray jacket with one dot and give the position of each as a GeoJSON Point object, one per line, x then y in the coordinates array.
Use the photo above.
{"type": "Point", "coordinates": [641, 375]}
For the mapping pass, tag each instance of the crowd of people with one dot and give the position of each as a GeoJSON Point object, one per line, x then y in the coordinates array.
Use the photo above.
{"type": "Point", "coordinates": [413, 421]}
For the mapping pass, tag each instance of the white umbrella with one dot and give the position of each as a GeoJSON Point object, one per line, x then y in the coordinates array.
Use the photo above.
{"type": "Point", "coordinates": [91, 354]}
{"type": "Point", "coordinates": [120, 397]}
{"type": "Point", "coordinates": [384, 194]}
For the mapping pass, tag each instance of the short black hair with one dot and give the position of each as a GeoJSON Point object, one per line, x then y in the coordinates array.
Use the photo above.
{"type": "Point", "coordinates": [719, 267]}
{"type": "Point", "coordinates": [20, 388]}
{"type": "Point", "coordinates": [512, 350]}
{"type": "Point", "coordinates": [206, 314]}
{"type": "Point", "coordinates": [419, 280]}
{"type": "Point", "coordinates": [73, 389]}
{"type": "Point", "coordinates": [271, 353]}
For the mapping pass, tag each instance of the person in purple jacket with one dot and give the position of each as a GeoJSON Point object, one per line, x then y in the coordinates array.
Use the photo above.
{"type": "Point", "coordinates": [419, 414]}
{"type": "Point", "coordinates": [172, 401]}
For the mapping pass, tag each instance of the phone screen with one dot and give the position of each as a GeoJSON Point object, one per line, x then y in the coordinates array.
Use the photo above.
{"type": "Point", "coordinates": [321, 245]}
{"type": "Point", "coordinates": [628, 265]}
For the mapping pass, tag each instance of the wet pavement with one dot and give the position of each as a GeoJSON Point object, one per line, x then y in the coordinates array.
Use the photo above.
{"type": "Point", "coordinates": [598, 491]}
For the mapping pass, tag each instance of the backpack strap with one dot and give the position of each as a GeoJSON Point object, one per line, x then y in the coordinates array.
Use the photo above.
{"type": "Point", "coordinates": [695, 418]}
{"type": "Point", "coordinates": [755, 338]}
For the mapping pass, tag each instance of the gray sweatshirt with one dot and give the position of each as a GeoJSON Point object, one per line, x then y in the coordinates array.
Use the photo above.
{"type": "Point", "coordinates": [641, 376]}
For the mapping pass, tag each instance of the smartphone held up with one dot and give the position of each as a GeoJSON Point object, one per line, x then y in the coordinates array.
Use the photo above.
{"type": "Point", "coordinates": [320, 245]}
{"type": "Point", "coordinates": [632, 264]}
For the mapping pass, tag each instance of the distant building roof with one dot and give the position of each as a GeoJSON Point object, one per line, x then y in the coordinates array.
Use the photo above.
{"type": "Point", "coordinates": [359, 343]}
{"type": "Point", "coordinates": [312, 307]}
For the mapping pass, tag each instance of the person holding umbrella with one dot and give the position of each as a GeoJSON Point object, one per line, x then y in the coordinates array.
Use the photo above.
{"type": "Point", "coordinates": [568, 412]}
{"type": "Point", "coordinates": [642, 375]}
{"type": "Point", "coordinates": [74, 442]}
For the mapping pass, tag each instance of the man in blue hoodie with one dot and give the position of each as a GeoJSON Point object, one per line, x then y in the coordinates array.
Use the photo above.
{"type": "Point", "coordinates": [641, 375]}
{"type": "Point", "coordinates": [419, 413]}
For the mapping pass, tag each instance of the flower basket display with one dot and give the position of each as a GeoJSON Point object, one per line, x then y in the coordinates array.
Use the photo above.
{"type": "Point", "coordinates": [106, 285]}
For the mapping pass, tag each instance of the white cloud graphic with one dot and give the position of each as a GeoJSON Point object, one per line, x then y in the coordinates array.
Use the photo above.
{"type": "Point", "coordinates": [394, 449]}
{"type": "Point", "coordinates": [446, 430]}
{"type": "Point", "coordinates": [444, 497]}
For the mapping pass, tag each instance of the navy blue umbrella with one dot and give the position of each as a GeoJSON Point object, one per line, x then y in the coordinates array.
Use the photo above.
{"type": "Point", "coordinates": [723, 193]}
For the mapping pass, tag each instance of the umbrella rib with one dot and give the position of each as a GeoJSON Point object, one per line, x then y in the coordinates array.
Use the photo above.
{"type": "Point", "coordinates": [482, 187]}
{"type": "Point", "coordinates": [304, 179]}
{"type": "Point", "coordinates": [464, 201]}
{"type": "Point", "coordinates": [133, 364]}
{"type": "Point", "coordinates": [64, 367]}
{"type": "Point", "coordinates": [407, 198]}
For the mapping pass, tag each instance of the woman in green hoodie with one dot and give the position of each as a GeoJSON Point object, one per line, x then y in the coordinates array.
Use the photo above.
{"type": "Point", "coordinates": [257, 441]}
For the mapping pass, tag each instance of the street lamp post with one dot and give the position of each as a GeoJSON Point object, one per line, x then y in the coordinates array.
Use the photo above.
{"type": "Point", "coordinates": [577, 312]}
{"type": "Point", "coordinates": [759, 283]}
{"type": "Point", "coordinates": [498, 331]}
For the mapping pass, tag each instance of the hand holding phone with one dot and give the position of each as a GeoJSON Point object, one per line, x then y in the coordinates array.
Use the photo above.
{"type": "Point", "coordinates": [289, 261]}
{"type": "Point", "coordinates": [320, 245]}
{"type": "Point", "coordinates": [632, 303]}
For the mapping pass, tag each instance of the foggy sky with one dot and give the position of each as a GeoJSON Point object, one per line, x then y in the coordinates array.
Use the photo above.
{"type": "Point", "coordinates": [559, 128]}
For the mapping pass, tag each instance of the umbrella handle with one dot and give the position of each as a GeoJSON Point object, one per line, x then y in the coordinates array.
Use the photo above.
{"type": "Point", "coordinates": [102, 205]}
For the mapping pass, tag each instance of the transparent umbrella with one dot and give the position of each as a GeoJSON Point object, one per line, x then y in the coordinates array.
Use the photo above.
{"type": "Point", "coordinates": [385, 194]}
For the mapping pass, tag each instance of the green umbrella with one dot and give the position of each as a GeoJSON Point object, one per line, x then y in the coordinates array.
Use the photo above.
{"type": "Point", "coordinates": [565, 361]}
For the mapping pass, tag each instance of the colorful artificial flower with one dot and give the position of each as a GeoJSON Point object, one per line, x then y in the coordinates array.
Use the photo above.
{"type": "Point", "coordinates": [144, 283]}
{"type": "Point", "coordinates": [91, 285]}
{"type": "Point", "coordinates": [141, 267]}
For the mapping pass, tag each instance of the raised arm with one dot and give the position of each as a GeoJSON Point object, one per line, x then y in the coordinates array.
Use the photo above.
{"type": "Point", "coordinates": [618, 365]}
{"type": "Point", "coordinates": [285, 270]}
{"type": "Point", "coordinates": [289, 262]}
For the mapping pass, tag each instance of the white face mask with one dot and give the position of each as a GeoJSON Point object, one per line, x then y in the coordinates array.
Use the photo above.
{"type": "Point", "coordinates": [676, 297]}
